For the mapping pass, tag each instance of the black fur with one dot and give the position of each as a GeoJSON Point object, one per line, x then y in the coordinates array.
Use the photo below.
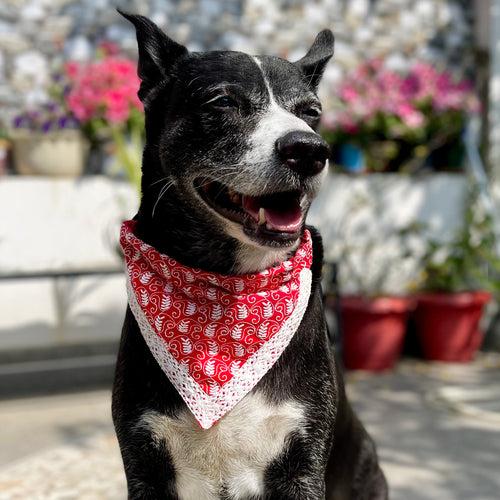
{"type": "Point", "coordinates": [334, 458]}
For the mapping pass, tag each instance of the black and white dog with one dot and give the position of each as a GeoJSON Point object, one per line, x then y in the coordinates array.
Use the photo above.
{"type": "Point", "coordinates": [237, 125]}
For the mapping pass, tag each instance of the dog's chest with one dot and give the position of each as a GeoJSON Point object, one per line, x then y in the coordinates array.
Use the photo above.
{"type": "Point", "coordinates": [232, 456]}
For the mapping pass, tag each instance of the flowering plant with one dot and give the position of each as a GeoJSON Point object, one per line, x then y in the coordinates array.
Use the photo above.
{"type": "Point", "coordinates": [103, 97]}
{"type": "Point", "coordinates": [397, 119]}
{"type": "Point", "coordinates": [467, 262]}
{"type": "Point", "coordinates": [464, 264]}
{"type": "Point", "coordinates": [49, 117]}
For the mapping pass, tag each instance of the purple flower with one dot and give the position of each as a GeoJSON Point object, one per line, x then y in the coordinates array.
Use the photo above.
{"type": "Point", "coordinates": [52, 107]}
{"type": "Point", "coordinates": [49, 117]}
{"type": "Point", "coordinates": [47, 126]}
{"type": "Point", "coordinates": [63, 122]}
{"type": "Point", "coordinates": [19, 121]}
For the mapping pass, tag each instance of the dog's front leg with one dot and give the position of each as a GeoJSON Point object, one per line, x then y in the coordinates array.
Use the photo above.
{"type": "Point", "coordinates": [297, 474]}
{"type": "Point", "coordinates": [148, 467]}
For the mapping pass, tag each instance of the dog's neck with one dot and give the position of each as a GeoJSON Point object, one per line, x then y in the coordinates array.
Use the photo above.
{"type": "Point", "coordinates": [251, 259]}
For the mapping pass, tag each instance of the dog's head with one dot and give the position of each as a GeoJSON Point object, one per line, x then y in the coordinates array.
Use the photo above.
{"type": "Point", "coordinates": [231, 137]}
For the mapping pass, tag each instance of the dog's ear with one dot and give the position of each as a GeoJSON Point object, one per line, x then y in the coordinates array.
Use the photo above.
{"type": "Point", "coordinates": [314, 62]}
{"type": "Point", "coordinates": [157, 52]}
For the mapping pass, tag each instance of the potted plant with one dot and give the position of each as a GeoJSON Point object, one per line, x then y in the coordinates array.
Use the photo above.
{"type": "Point", "coordinates": [458, 280]}
{"type": "Point", "coordinates": [373, 303]}
{"type": "Point", "coordinates": [398, 121]}
{"type": "Point", "coordinates": [47, 141]}
{"type": "Point", "coordinates": [103, 97]}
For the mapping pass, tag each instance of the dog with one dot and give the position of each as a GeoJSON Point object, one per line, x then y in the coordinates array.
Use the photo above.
{"type": "Point", "coordinates": [231, 164]}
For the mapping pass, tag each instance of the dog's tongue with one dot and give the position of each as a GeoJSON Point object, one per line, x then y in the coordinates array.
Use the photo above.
{"type": "Point", "coordinates": [279, 213]}
{"type": "Point", "coordinates": [288, 221]}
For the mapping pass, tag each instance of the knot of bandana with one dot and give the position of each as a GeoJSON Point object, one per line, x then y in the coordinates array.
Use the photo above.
{"type": "Point", "coordinates": [214, 335]}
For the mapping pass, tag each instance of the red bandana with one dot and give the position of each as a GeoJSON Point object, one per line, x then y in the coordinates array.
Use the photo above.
{"type": "Point", "coordinates": [215, 336]}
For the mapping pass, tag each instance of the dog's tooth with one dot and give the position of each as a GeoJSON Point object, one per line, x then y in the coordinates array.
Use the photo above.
{"type": "Point", "coordinates": [262, 216]}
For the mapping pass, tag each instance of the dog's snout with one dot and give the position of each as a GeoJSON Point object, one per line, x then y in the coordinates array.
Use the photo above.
{"type": "Point", "coordinates": [304, 152]}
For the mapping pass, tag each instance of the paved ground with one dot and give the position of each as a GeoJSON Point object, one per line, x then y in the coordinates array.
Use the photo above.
{"type": "Point", "coordinates": [437, 429]}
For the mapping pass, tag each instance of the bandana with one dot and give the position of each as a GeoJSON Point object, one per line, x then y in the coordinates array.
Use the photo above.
{"type": "Point", "coordinates": [214, 336]}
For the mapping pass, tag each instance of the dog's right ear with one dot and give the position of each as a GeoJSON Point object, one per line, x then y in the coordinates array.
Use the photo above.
{"type": "Point", "coordinates": [157, 52]}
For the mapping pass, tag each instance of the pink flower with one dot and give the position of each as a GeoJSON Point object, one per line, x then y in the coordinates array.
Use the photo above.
{"type": "Point", "coordinates": [105, 89]}
{"type": "Point", "coordinates": [410, 86]}
{"type": "Point", "coordinates": [348, 93]}
{"type": "Point", "coordinates": [71, 68]}
{"type": "Point", "coordinates": [377, 100]}
{"type": "Point", "coordinates": [414, 120]}
{"type": "Point", "coordinates": [117, 114]}
{"type": "Point", "coordinates": [404, 110]}
{"type": "Point", "coordinates": [410, 116]}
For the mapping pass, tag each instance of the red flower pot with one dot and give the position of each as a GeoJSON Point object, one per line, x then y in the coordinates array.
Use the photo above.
{"type": "Point", "coordinates": [373, 331]}
{"type": "Point", "coordinates": [448, 324]}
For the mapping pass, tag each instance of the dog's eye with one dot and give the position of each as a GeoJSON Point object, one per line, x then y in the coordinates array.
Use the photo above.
{"type": "Point", "coordinates": [312, 112]}
{"type": "Point", "coordinates": [224, 102]}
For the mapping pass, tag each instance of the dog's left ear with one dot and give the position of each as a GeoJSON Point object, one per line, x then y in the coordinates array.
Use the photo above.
{"type": "Point", "coordinates": [157, 52]}
{"type": "Point", "coordinates": [314, 62]}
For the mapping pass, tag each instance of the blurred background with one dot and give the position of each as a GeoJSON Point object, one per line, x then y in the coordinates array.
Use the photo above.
{"type": "Point", "coordinates": [409, 215]}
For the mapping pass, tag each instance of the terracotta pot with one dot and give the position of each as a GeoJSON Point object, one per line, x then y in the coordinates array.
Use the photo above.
{"type": "Point", "coordinates": [373, 331]}
{"type": "Point", "coordinates": [60, 154]}
{"type": "Point", "coordinates": [448, 324]}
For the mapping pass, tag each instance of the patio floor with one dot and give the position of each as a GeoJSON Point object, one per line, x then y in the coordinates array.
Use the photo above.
{"type": "Point", "coordinates": [437, 428]}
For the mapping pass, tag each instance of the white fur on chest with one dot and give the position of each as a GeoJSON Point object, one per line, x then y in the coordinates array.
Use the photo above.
{"type": "Point", "coordinates": [234, 453]}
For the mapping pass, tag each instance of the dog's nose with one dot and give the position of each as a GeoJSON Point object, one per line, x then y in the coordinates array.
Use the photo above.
{"type": "Point", "coordinates": [304, 152]}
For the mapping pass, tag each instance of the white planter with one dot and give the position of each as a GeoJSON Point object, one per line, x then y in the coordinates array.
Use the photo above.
{"type": "Point", "coordinates": [57, 154]}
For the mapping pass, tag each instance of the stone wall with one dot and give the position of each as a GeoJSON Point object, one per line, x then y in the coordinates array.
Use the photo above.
{"type": "Point", "coordinates": [37, 35]}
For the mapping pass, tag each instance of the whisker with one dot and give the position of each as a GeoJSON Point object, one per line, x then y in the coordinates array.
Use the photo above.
{"type": "Point", "coordinates": [218, 178]}
{"type": "Point", "coordinates": [193, 80]}
{"type": "Point", "coordinates": [163, 190]}
{"type": "Point", "coordinates": [159, 180]}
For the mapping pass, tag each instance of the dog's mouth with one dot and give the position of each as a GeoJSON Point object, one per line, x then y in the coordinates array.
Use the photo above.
{"type": "Point", "coordinates": [272, 219]}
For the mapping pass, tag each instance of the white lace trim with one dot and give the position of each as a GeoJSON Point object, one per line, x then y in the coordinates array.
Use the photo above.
{"type": "Point", "coordinates": [208, 409]}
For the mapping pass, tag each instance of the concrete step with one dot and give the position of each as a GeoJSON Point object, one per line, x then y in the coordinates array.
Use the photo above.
{"type": "Point", "coordinates": [57, 370]}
